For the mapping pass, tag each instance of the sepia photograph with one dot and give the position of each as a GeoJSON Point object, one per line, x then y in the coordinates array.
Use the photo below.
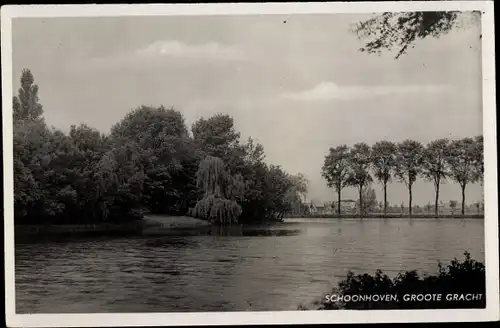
{"type": "Point", "coordinates": [249, 163]}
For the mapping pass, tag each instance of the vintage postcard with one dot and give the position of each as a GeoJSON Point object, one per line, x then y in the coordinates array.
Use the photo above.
{"type": "Point", "coordinates": [237, 164]}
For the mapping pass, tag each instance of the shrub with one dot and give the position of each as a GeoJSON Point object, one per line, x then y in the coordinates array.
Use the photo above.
{"type": "Point", "coordinates": [465, 277]}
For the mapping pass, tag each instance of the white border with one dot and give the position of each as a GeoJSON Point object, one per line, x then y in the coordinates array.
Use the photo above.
{"type": "Point", "coordinates": [491, 313]}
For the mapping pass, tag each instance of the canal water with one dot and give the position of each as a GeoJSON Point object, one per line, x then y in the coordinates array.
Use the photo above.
{"type": "Point", "coordinates": [266, 268]}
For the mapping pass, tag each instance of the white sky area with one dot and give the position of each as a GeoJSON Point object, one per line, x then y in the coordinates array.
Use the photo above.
{"type": "Point", "coordinates": [298, 87]}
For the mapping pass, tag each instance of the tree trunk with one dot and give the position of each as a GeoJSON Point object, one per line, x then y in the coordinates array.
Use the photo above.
{"type": "Point", "coordinates": [463, 199]}
{"type": "Point", "coordinates": [436, 204]}
{"type": "Point", "coordinates": [338, 203]}
{"type": "Point", "coordinates": [361, 201]}
{"type": "Point", "coordinates": [385, 198]}
{"type": "Point", "coordinates": [409, 200]}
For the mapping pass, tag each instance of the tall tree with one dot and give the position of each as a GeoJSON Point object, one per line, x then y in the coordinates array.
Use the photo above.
{"type": "Point", "coordinates": [335, 170]}
{"type": "Point", "coordinates": [383, 161]}
{"type": "Point", "coordinates": [30, 147]}
{"type": "Point", "coordinates": [401, 30]}
{"type": "Point", "coordinates": [278, 187]}
{"type": "Point", "coordinates": [409, 158]}
{"type": "Point", "coordinates": [216, 136]}
{"type": "Point", "coordinates": [170, 159]}
{"type": "Point", "coordinates": [254, 152]}
{"type": "Point", "coordinates": [462, 161]}
{"type": "Point", "coordinates": [479, 163]}
{"type": "Point", "coordinates": [479, 158]}
{"type": "Point", "coordinates": [434, 166]}
{"type": "Point", "coordinates": [89, 148]}
{"type": "Point", "coordinates": [120, 183]}
{"type": "Point", "coordinates": [26, 105]}
{"type": "Point", "coordinates": [359, 169]}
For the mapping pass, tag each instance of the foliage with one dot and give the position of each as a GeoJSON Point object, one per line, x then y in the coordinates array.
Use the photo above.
{"type": "Point", "coordinates": [148, 162]}
{"type": "Point", "coordinates": [215, 182]}
{"type": "Point", "coordinates": [383, 163]}
{"type": "Point", "coordinates": [169, 157]}
{"type": "Point", "coordinates": [458, 277]}
{"type": "Point", "coordinates": [369, 201]}
{"type": "Point", "coordinates": [463, 161]}
{"type": "Point", "coordinates": [453, 204]}
{"type": "Point", "coordinates": [400, 30]}
{"type": "Point", "coordinates": [460, 160]}
{"type": "Point", "coordinates": [279, 184]}
{"type": "Point", "coordinates": [359, 169]}
{"type": "Point", "coordinates": [434, 166]}
{"type": "Point", "coordinates": [335, 170]}
{"type": "Point", "coordinates": [479, 158]}
{"type": "Point", "coordinates": [216, 136]}
{"type": "Point", "coordinates": [26, 104]}
{"type": "Point", "coordinates": [254, 152]}
{"type": "Point", "coordinates": [409, 159]}
{"type": "Point", "coordinates": [217, 210]}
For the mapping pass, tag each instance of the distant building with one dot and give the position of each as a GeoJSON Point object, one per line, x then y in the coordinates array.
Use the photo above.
{"type": "Point", "coordinates": [320, 210]}
{"type": "Point", "coordinates": [346, 206]}
{"type": "Point", "coordinates": [325, 209]}
{"type": "Point", "coordinates": [311, 208]}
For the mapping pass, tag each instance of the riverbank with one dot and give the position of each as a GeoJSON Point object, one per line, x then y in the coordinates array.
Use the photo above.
{"type": "Point", "coordinates": [166, 225]}
{"type": "Point", "coordinates": [149, 224]}
{"type": "Point", "coordinates": [389, 216]}
{"type": "Point", "coordinates": [77, 228]}
{"type": "Point", "coordinates": [152, 224]}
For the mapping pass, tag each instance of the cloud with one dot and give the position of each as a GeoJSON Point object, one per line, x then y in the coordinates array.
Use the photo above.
{"type": "Point", "coordinates": [155, 53]}
{"type": "Point", "coordinates": [173, 48]}
{"type": "Point", "coordinates": [330, 91]}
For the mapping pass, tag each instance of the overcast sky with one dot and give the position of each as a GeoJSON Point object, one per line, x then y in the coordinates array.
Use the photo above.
{"type": "Point", "coordinates": [298, 87]}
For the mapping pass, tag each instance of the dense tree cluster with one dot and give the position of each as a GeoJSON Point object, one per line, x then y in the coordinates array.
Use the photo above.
{"type": "Point", "coordinates": [148, 162]}
{"type": "Point", "coordinates": [458, 160]}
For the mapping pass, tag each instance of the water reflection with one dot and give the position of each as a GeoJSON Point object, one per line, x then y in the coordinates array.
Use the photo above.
{"type": "Point", "coordinates": [233, 269]}
{"type": "Point", "coordinates": [240, 230]}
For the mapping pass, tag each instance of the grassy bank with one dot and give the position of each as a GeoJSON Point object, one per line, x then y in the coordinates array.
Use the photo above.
{"type": "Point", "coordinates": [149, 224]}
{"type": "Point", "coordinates": [69, 229]}
{"type": "Point", "coordinates": [389, 216]}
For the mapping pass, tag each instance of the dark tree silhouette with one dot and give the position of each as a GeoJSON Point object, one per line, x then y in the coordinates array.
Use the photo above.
{"type": "Point", "coordinates": [434, 165]}
{"type": "Point", "coordinates": [400, 31]}
{"type": "Point", "coordinates": [462, 160]}
{"type": "Point", "coordinates": [383, 161]}
{"type": "Point", "coordinates": [409, 159]}
{"type": "Point", "coordinates": [359, 170]}
{"type": "Point", "coordinates": [335, 170]}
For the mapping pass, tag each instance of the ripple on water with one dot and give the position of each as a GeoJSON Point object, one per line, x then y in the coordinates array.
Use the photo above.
{"type": "Point", "coordinates": [267, 268]}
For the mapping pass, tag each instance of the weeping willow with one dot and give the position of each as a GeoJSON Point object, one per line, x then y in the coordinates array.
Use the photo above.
{"type": "Point", "coordinates": [217, 210]}
{"type": "Point", "coordinates": [212, 179]}
{"type": "Point", "coordinates": [210, 176]}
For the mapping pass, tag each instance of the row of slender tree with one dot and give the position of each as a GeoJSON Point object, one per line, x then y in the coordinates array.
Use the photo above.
{"type": "Point", "coordinates": [149, 162]}
{"type": "Point", "coordinates": [358, 166]}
